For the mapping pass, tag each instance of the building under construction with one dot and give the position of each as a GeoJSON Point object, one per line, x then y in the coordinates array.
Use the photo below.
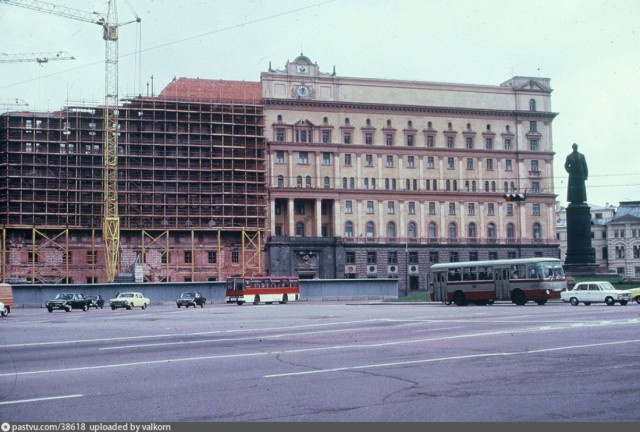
{"type": "Point", "coordinates": [191, 187]}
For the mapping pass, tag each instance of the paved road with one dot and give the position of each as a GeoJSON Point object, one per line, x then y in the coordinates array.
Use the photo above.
{"type": "Point", "coordinates": [321, 362]}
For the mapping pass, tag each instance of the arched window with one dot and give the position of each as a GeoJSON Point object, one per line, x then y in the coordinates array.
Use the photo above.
{"type": "Point", "coordinates": [448, 185]}
{"type": "Point", "coordinates": [352, 183]}
{"type": "Point", "coordinates": [308, 181]}
{"type": "Point", "coordinates": [412, 231]}
{"type": "Point", "coordinates": [391, 230]}
{"type": "Point", "coordinates": [280, 181]}
{"type": "Point", "coordinates": [513, 187]}
{"type": "Point", "coordinates": [486, 186]}
{"type": "Point", "coordinates": [432, 230]}
{"type": "Point", "coordinates": [506, 187]}
{"type": "Point", "coordinates": [373, 183]}
{"type": "Point", "coordinates": [473, 186]}
{"type": "Point", "coordinates": [348, 229]}
{"type": "Point", "coordinates": [537, 231]}
{"type": "Point", "coordinates": [471, 231]}
{"type": "Point", "coordinates": [453, 230]}
{"type": "Point", "coordinates": [491, 231]}
{"type": "Point", "coordinates": [371, 230]}
{"type": "Point", "coordinates": [435, 185]}
{"type": "Point", "coordinates": [299, 181]}
{"type": "Point", "coordinates": [455, 185]}
{"type": "Point", "coordinates": [511, 231]}
{"type": "Point", "coordinates": [347, 121]}
{"type": "Point", "coordinates": [344, 182]}
{"type": "Point", "coordinates": [327, 182]}
{"type": "Point", "coordinates": [300, 229]}
{"type": "Point", "coordinates": [532, 104]}
{"type": "Point", "coordinates": [493, 186]}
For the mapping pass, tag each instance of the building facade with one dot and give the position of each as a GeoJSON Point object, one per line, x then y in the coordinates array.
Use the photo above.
{"type": "Point", "coordinates": [304, 173]}
{"type": "Point", "coordinates": [382, 178]}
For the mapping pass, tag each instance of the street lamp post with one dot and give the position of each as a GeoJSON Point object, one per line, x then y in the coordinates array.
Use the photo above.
{"type": "Point", "coordinates": [406, 268]}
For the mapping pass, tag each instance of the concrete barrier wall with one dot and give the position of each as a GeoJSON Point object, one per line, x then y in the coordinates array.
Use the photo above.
{"type": "Point", "coordinates": [161, 293]}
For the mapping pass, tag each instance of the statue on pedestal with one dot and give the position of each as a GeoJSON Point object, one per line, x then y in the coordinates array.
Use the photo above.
{"type": "Point", "coordinates": [576, 166]}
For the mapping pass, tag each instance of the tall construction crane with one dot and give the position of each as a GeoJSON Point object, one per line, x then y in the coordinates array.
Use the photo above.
{"type": "Point", "coordinates": [110, 26]}
{"type": "Point", "coordinates": [35, 57]}
{"type": "Point", "coordinates": [11, 103]}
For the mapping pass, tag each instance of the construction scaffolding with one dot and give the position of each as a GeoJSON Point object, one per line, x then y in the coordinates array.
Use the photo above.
{"type": "Point", "coordinates": [192, 174]}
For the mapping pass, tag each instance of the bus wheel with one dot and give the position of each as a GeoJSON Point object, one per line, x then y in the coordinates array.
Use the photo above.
{"type": "Point", "coordinates": [240, 303]}
{"type": "Point", "coordinates": [490, 302]}
{"type": "Point", "coordinates": [285, 299]}
{"type": "Point", "coordinates": [256, 300]}
{"type": "Point", "coordinates": [518, 298]}
{"type": "Point", "coordinates": [458, 299]}
{"type": "Point", "coordinates": [541, 302]}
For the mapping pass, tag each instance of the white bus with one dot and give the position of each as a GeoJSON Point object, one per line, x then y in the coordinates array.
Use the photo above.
{"type": "Point", "coordinates": [483, 282]}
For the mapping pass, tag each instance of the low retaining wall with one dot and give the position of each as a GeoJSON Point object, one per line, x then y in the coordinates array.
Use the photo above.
{"type": "Point", "coordinates": [161, 293]}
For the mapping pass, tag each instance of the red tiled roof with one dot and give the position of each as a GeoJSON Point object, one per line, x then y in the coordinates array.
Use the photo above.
{"type": "Point", "coordinates": [206, 90]}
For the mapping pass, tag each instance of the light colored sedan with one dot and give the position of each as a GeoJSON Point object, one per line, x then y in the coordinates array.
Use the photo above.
{"type": "Point", "coordinates": [595, 292]}
{"type": "Point", "coordinates": [635, 294]}
{"type": "Point", "coordinates": [129, 300]}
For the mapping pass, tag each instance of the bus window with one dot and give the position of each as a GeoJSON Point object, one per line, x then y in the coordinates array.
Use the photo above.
{"type": "Point", "coordinates": [485, 273]}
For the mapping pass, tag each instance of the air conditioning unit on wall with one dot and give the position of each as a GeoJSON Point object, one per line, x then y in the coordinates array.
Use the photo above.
{"type": "Point", "coordinates": [372, 269]}
{"type": "Point", "coordinates": [413, 269]}
{"type": "Point", "coordinates": [392, 269]}
{"type": "Point", "coordinates": [350, 269]}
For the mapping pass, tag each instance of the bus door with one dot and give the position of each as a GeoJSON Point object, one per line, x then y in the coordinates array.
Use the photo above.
{"type": "Point", "coordinates": [440, 286]}
{"type": "Point", "coordinates": [501, 277]}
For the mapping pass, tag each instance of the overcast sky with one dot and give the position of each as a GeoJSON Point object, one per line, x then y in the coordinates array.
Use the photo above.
{"type": "Point", "coordinates": [590, 49]}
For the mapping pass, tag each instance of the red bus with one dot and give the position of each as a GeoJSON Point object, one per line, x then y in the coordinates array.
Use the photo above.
{"type": "Point", "coordinates": [483, 282]}
{"type": "Point", "coordinates": [262, 289]}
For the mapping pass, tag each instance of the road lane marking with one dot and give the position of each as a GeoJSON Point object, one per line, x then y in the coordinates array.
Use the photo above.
{"type": "Point", "coordinates": [40, 399]}
{"type": "Point", "coordinates": [433, 360]}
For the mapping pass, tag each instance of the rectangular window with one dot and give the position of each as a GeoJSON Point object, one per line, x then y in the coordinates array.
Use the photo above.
{"type": "Point", "coordinates": [235, 257]}
{"type": "Point", "coordinates": [368, 138]}
{"type": "Point", "coordinates": [432, 208]}
{"type": "Point", "coordinates": [471, 209]}
{"type": "Point", "coordinates": [410, 140]}
{"type": "Point", "coordinates": [449, 142]}
{"type": "Point", "coordinates": [349, 257]}
{"type": "Point", "coordinates": [433, 258]}
{"type": "Point", "coordinates": [280, 135]}
{"type": "Point", "coordinates": [391, 207]}
{"type": "Point", "coordinates": [372, 258]}
{"type": "Point", "coordinates": [509, 209]}
{"type": "Point", "coordinates": [389, 161]}
{"type": "Point", "coordinates": [430, 141]}
{"type": "Point", "coordinates": [450, 163]}
{"type": "Point", "coordinates": [188, 257]}
{"type": "Point", "coordinates": [536, 209]}
{"type": "Point", "coordinates": [326, 136]}
{"type": "Point", "coordinates": [389, 139]}
{"type": "Point", "coordinates": [533, 126]}
{"type": "Point", "coordinates": [326, 158]}
{"type": "Point", "coordinates": [534, 166]}
{"type": "Point", "coordinates": [410, 162]}
{"type": "Point", "coordinates": [493, 256]}
{"type": "Point", "coordinates": [533, 145]}
{"type": "Point", "coordinates": [430, 162]}
{"type": "Point", "coordinates": [279, 156]}
{"type": "Point", "coordinates": [412, 208]}
{"type": "Point", "coordinates": [489, 164]}
{"type": "Point", "coordinates": [347, 159]}
{"type": "Point", "coordinates": [491, 211]}
{"type": "Point", "coordinates": [452, 208]}
{"type": "Point", "coordinates": [299, 208]}
{"type": "Point", "coordinates": [469, 163]}
{"type": "Point", "coordinates": [507, 143]}
{"type": "Point", "coordinates": [535, 187]}
{"type": "Point", "coordinates": [303, 158]}
{"type": "Point", "coordinates": [91, 257]}
{"type": "Point", "coordinates": [507, 165]}
{"type": "Point", "coordinates": [368, 160]}
{"type": "Point", "coordinates": [348, 206]}
{"type": "Point", "coordinates": [489, 143]}
{"type": "Point", "coordinates": [212, 257]}
{"type": "Point", "coordinates": [392, 257]}
{"type": "Point", "coordinates": [370, 207]}
{"type": "Point", "coordinates": [453, 257]}
{"type": "Point", "coordinates": [469, 142]}
{"type": "Point", "coordinates": [347, 137]}
{"type": "Point", "coordinates": [165, 258]}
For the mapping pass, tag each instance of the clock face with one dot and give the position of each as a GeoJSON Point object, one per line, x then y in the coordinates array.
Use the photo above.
{"type": "Point", "coordinates": [303, 91]}
{"type": "Point", "coordinates": [302, 69]}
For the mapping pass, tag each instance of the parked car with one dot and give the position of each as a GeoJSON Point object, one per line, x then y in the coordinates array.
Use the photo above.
{"type": "Point", "coordinates": [194, 299]}
{"type": "Point", "coordinates": [96, 301]}
{"type": "Point", "coordinates": [635, 294]}
{"type": "Point", "coordinates": [595, 292]}
{"type": "Point", "coordinates": [4, 311]}
{"type": "Point", "coordinates": [129, 300]}
{"type": "Point", "coordinates": [68, 301]}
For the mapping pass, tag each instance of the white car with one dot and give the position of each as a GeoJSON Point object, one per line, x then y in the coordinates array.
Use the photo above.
{"type": "Point", "coordinates": [595, 292]}
{"type": "Point", "coordinates": [4, 311]}
{"type": "Point", "coordinates": [129, 300]}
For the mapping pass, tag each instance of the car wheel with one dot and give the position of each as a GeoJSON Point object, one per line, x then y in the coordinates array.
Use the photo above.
{"type": "Point", "coordinates": [459, 299]}
{"type": "Point", "coordinates": [623, 302]}
{"type": "Point", "coordinates": [285, 299]}
{"type": "Point", "coordinates": [50, 310]}
{"type": "Point", "coordinates": [574, 301]}
{"type": "Point", "coordinates": [638, 299]}
{"type": "Point", "coordinates": [85, 308]}
{"type": "Point", "coordinates": [587, 303]}
{"type": "Point", "coordinates": [4, 312]}
{"type": "Point", "coordinates": [67, 308]}
{"type": "Point", "coordinates": [609, 301]}
{"type": "Point", "coordinates": [129, 306]}
{"type": "Point", "coordinates": [541, 302]}
{"type": "Point", "coordinates": [144, 306]}
{"type": "Point", "coordinates": [518, 298]}
{"type": "Point", "coordinates": [256, 300]}
{"type": "Point", "coordinates": [179, 306]}
{"type": "Point", "coordinates": [113, 308]}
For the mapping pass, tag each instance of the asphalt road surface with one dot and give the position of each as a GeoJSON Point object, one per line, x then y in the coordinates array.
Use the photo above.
{"type": "Point", "coordinates": [323, 362]}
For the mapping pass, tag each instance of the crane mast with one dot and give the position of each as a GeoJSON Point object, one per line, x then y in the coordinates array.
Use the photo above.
{"type": "Point", "coordinates": [110, 26]}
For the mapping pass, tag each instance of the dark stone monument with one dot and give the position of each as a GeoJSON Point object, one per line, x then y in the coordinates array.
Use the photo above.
{"type": "Point", "coordinates": [581, 257]}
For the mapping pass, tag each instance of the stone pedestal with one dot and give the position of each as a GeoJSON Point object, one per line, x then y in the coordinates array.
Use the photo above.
{"type": "Point", "coordinates": [581, 257]}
